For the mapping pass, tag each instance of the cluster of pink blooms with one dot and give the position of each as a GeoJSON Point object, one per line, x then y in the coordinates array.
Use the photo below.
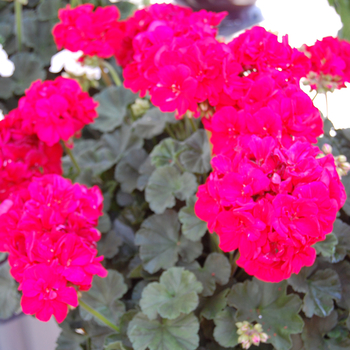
{"type": "Point", "coordinates": [330, 64]}
{"type": "Point", "coordinates": [56, 110]}
{"type": "Point", "coordinates": [47, 224]}
{"type": "Point", "coordinates": [23, 155]}
{"type": "Point", "coordinates": [49, 232]}
{"type": "Point", "coordinates": [83, 29]}
{"type": "Point", "coordinates": [270, 195]}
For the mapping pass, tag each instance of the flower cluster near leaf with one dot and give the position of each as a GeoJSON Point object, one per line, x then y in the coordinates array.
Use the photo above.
{"type": "Point", "coordinates": [272, 197]}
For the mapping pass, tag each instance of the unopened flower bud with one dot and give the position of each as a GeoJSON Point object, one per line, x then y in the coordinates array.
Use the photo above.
{"type": "Point", "coordinates": [327, 149]}
{"type": "Point", "coordinates": [341, 159]}
{"type": "Point", "coordinates": [140, 107]}
{"type": "Point", "coordinates": [250, 334]}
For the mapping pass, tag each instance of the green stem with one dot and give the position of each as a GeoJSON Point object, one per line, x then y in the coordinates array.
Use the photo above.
{"type": "Point", "coordinates": [18, 14]}
{"type": "Point", "coordinates": [214, 243]}
{"type": "Point", "coordinates": [315, 96]}
{"type": "Point", "coordinates": [194, 126]}
{"type": "Point", "coordinates": [112, 72]}
{"type": "Point", "coordinates": [170, 132]}
{"type": "Point", "coordinates": [105, 76]}
{"type": "Point", "coordinates": [72, 158]}
{"type": "Point", "coordinates": [99, 316]}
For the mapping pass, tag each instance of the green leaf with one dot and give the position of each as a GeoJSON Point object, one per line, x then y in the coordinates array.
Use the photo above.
{"type": "Point", "coordinates": [146, 170]}
{"type": "Point", "coordinates": [109, 244]}
{"type": "Point", "coordinates": [176, 293]}
{"type": "Point", "coordinates": [216, 269]}
{"type": "Point", "coordinates": [225, 332]}
{"type": "Point", "coordinates": [126, 9]}
{"type": "Point", "coordinates": [160, 242]}
{"type": "Point", "coordinates": [28, 69]}
{"type": "Point", "coordinates": [117, 345]}
{"type": "Point", "coordinates": [6, 88]}
{"type": "Point", "coordinates": [327, 247]}
{"type": "Point", "coordinates": [127, 170]}
{"type": "Point", "coordinates": [152, 123]}
{"type": "Point", "coordinates": [196, 158]}
{"type": "Point", "coordinates": [213, 305]}
{"type": "Point", "coordinates": [48, 9]}
{"type": "Point", "coordinates": [315, 329]}
{"type": "Point", "coordinates": [178, 334]}
{"type": "Point", "coordinates": [268, 304]}
{"type": "Point", "coordinates": [343, 9]}
{"type": "Point", "coordinates": [341, 231]}
{"type": "Point", "coordinates": [103, 297]}
{"type": "Point", "coordinates": [166, 152]}
{"type": "Point", "coordinates": [343, 271]}
{"type": "Point", "coordinates": [165, 184]}
{"type": "Point", "coordinates": [9, 296]}
{"type": "Point", "coordinates": [192, 227]}
{"type": "Point", "coordinates": [113, 103]}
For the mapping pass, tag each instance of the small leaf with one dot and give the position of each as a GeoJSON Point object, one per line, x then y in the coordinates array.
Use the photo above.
{"type": "Point", "coordinates": [28, 69]}
{"type": "Point", "coordinates": [9, 296]}
{"type": "Point", "coordinates": [160, 242]}
{"type": "Point", "coordinates": [176, 293]}
{"type": "Point", "coordinates": [324, 286]}
{"type": "Point", "coordinates": [196, 157]}
{"type": "Point", "coordinates": [178, 334]}
{"type": "Point", "coordinates": [268, 304]}
{"type": "Point", "coordinates": [216, 269]}
{"type": "Point", "coordinates": [166, 152]}
{"type": "Point", "coordinates": [225, 332]}
{"type": "Point", "coordinates": [165, 184]}
{"type": "Point", "coordinates": [152, 123]}
{"type": "Point", "coordinates": [192, 227]}
{"type": "Point", "coordinates": [127, 170]}
{"type": "Point", "coordinates": [113, 103]}
{"type": "Point", "coordinates": [213, 305]}
{"type": "Point", "coordinates": [103, 296]}
{"type": "Point", "coordinates": [327, 247]}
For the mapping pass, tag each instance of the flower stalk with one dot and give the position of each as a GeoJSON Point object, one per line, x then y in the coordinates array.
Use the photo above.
{"type": "Point", "coordinates": [112, 72]}
{"type": "Point", "coordinates": [18, 15]}
{"type": "Point", "coordinates": [99, 316]}
{"type": "Point", "coordinates": [72, 158]}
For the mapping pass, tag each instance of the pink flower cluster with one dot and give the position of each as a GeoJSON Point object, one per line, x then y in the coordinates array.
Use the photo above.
{"type": "Point", "coordinates": [181, 66]}
{"type": "Point", "coordinates": [49, 232]}
{"type": "Point", "coordinates": [23, 155]}
{"type": "Point", "coordinates": [270, 196]}
{"type": "Point", "coordinates": [330, 64]}
{"type": "Point", "coordinates": [56, 110]}
{"type": "Point", "coordinates": [96, 33]}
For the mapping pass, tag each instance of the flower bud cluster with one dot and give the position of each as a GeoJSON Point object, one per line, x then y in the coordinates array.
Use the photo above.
{"type": "Point", "coordinates": [250, 334]}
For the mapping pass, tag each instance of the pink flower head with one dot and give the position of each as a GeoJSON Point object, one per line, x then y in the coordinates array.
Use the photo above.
{"type": "Point", "coordinates": [330, 64]}
{"type": "Point", "coordinates": [176, 90]}
{"type": "Point", "coordinates": [45, 293]}
{"type": "Point", "coordinates": [23, 155]}
{"type": "Point", "coordinates": [96, 33]}
{"type": "Point", "coordinates": [56, 110]}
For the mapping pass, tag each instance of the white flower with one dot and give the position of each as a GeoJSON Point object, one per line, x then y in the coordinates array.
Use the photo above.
{"type": "Point", "coordinates": [2, 117]}
{"type": "Point", "coordinates": [6, 66]}
{"type": "Point", "coordinates": [68, 61]}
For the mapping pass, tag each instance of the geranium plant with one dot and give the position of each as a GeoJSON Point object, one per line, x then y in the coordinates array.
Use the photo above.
{"type": "Point", "coordinates": [171, 190]}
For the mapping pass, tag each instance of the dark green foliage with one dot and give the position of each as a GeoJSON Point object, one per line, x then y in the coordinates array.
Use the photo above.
{"type": "Point", "coordinates": [168, 287]}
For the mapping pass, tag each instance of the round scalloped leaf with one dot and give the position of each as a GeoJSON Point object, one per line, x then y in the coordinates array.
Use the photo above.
{"type": "Point", "coordinates": [48, 9]}
{"type": "Point", "coordinates": [103, 296]}
{"type": "Point", "coordinates": [268, 304]}
{"type": "Point", "coordinates": [225, 332]}
{"type": "Point", "coordinates": [113, 103]}
{"type": "Point", "coordinates": [166, 152]}
{"type": "Point", "coordinates": [165, 184]}
{"type": "Point", "coordinates": [152, 123]}
{"type": "Point", "coordinates": [127, 170]}
{"type": "Point", "coordinates": [160, 242]}
{"type": "Point", "coordinates": [196, 157]}
{"type": "Point", "coordinates": [327, 247]}
{"type": "Point", "coordinates": [213, 305]}
{"type": "Point", "coordinates": [216, 269]}
{"type": "Point", "coordinates": [192, 227]}
{"type": "Point", "coordinates": [176, 293]}
{"type": "Point", "coordinates": [178, 334]}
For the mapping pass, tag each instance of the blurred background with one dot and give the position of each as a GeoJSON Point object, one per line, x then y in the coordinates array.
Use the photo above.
{"type": "Point", "coordinates": [305, 21]}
